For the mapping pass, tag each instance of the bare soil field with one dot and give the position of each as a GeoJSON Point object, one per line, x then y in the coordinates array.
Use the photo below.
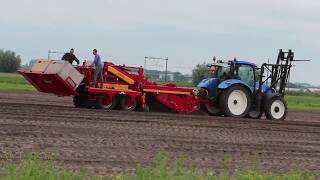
{"type": "Point", "coordinates": [111, 142]}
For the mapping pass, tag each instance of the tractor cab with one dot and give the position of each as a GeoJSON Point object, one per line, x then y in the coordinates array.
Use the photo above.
{"type": "Point", "coordinates": [246, 72]}
{"type": "Point", "coordinates": [230, 72]}
{"type": "Point", "coordinates": [220, 71]}
{"type": "Point", "coordinates": [239, 76]}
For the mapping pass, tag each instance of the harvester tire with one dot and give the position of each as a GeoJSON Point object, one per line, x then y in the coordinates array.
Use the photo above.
{"type": "Point", "coordinates": [276, 108]}
{"type": "Point", "coordinates": [80, 101]}
{"type": "Point", "coordinates": [255, 114]}
{"type": "Point", "coordinates": [210, 109]}
{"type": "Point", "coordinates": [94, 104]}
{"type": "Point", "coordinates": [108, 105]}
{"type": "Point", "coordinates": [145, 108]}
{"type": "Point", "coordinates": [128, 103]}
{"type": "Point", "coordinates": [235, 101]}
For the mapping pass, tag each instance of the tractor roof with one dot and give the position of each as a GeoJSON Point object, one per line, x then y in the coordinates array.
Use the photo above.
{"type": "Point", "coordinates": [244, 62]}
{"type": "Point", "coordinates": [237, 62]}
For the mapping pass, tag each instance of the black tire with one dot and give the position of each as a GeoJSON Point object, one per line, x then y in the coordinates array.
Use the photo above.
{"type": "Point", "coordinates": [145, 108]}
{"type": "Point", "coordinates": [255, 114]}
{"type": "Point", "coordinates": [108, 106]}
{"type": "Point", "coordinates": [276, 108]}
{"type": "Point", "coordinates": [124, 105]}
{"type": "Point", "coordinates": [80, 101]}
{"type": "Point", "coordinates": [211, 110]}
{"type": "Point", "coordinates": [94, 104]}
{"type": "Point", "coordinates": [240, 103]}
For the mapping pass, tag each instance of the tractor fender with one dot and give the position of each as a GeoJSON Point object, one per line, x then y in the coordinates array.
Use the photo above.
{"type": "Point", "coordinates": [270, 96]}
{"type": "Point", "coordinates": [230, 82]}
{"type": "Point", "coordinates": [210, 84]}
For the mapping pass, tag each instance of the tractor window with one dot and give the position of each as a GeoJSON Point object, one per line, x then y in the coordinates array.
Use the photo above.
{"type": "Point", "coordinates": [246, 74]}
{"type": "Point", "coordinates": [223, 72]}
{"type": "Point", "coordinates": [257, 74]}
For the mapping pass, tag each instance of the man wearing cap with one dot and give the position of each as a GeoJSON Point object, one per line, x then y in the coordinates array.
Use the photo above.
{"type": "Point", "coordinates": [98, 71]}
{"type": "Point", "coordinates": [70, 57]}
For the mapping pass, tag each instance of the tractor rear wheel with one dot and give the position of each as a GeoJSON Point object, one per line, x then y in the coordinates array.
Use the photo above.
{"type": "Point", "coordinates": [80, 101]}
{"type": "Point", "coordinates": [128, 103]}
{"type": "Point", "coordinates": [276, 108]}
{"type": "Point", "coordinates": [235, 101]}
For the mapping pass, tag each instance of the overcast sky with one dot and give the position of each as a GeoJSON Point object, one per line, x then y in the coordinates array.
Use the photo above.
{"type": "Point", "coordinates": [187, 31]}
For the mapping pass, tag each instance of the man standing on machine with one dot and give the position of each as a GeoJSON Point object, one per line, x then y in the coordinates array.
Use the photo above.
{"type": "Point", "coordinates": [70, 57]}
{"type": "Point", "coordinates": [98, 71]}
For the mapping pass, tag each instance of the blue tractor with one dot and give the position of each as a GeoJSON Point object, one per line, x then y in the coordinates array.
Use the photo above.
{"type": "Point", "coordinates": [242, 89]}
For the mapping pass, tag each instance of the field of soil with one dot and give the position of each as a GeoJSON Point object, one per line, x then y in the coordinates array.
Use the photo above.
{"type": "Point", "coordinates": [110, 142]}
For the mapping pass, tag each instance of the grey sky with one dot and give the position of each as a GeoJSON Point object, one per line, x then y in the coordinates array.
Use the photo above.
{"type": "Point", "coordinates": [187, 31]}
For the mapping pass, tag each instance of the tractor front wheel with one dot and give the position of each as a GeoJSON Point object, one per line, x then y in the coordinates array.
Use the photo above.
{"type": "Point", "coordinates": [128, 103]}
{"type": "Point", "coordinates": [276, 108]}
{"type": "Point", "coordinates": [235, 101]}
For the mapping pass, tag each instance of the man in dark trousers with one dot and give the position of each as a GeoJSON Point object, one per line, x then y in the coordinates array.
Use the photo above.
{"type": "Point", "coordinates": [98, 71]}
{"type": "Point", "coordinates": [70, 57]}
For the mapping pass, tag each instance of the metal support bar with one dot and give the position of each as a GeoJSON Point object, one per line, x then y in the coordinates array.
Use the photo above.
{"type": "Point", "coordinates": [54, 52]}
{"type": "Point", "coordinates": [157, 58]}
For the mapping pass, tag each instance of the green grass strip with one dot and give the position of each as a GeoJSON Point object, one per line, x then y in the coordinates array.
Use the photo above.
{"type": "Point", "coordinates": [303, 102]}
{"type": "Point", "coordinates": [163, 168]}
{"type": "Point", "coordinates": [16, 87]}
{"type": "Point", "coordinates": [14, 81]}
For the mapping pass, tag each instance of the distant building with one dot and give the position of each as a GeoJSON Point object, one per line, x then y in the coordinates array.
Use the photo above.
{"type": "Point", "coordinates": [313, 90]}
{"type": "Point", "coordinates": [188, 77]}
{"type": "Point", "coordinates": [296, 89]}
{"type": "Point", "coordinates": [170, 76]}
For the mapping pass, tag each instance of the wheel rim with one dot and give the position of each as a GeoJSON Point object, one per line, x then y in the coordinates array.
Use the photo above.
{"type": "Point", "coordinates": [128, 103]}
{"type": "Point", "coordinates": [237, 102]}
{"type": "Point", "coordinates": [107, 102]}
{"type": "Point", "coordinates": [277, 109]}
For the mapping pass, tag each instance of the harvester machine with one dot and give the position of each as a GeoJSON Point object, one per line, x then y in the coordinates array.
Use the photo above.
{"type": "Point", "coordinates": [236, 88]}
{"type": "Point", "coordinates": [124, 87]}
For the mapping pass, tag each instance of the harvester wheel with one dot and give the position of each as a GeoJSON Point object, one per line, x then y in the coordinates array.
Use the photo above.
{"type": "Point", "coordinates": [94, 104]}
{"type": "Point", "coordinates": [235, 101]}
{"type": "Point", "coordinates": [80, 101]}
{"type": "Point", "coordinates": [128, 103]}
{"type": "Point", "coordinates": [211, 109]}
{"type": "Point", "coordinates": [108, 102]}
{"type": "Point", "coordinates": [276, 108]}
{"type": "Point", "coordinates": [145, 108]}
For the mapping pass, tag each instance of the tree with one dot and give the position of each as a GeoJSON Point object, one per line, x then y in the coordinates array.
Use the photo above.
{"type": "Point", "coordinates": [200, 72]}
{"type": "Point", "coordinates": [9, 61]}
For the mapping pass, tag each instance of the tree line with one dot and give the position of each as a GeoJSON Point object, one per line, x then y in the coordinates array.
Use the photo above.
{"type": "Point", "coordinates": [9, 61]}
